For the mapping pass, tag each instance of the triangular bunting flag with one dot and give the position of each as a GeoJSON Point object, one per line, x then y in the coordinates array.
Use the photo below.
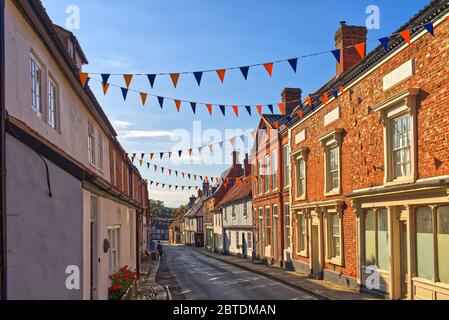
{"type": "Point", "coordinates": [143, 96]}
{"type": "Point", "coordinates": [281, 108]}
{"type": "Point", "coordinates": [342, 89]}
{"type": "Point", "coordinates": [151, 156]}
{"type": "Point", "coordinates": [128, 78]}
{"type": "Point", "coordinates": [211, 147]}
{"type": "Point", "coordinates": [270, 106]}
{"type": "Point", "coordinates": [161, 101]}
{"type": "Point", "coordinates": [300, 114]}
{"type": "Point", "coordinates": [236, 110]}
{"type": "Point", "coordinates": [83, 78]}
{"type": "Point", "coordinates": [269, 68]}
{"type": "Point", "coordinates": [325, 98]}
{"type": "Point", "coordinates": [86, 85]}
{"type": "Point", "coordinates": [179, 153]}
{"type": "Point", "coordinates": [429, 28]}
{"type": "Point", "coordinates": [178, 104]}
{"type": "Point", "coordinates": [151, 78]}
{"type": "Point", "coordinates": [209, 108]}
{"type": "Point", "coordinates": [105, 77]}
{"type": "Point", "coordinates": [133, 156]}
{"type": "Point", "coordinates": [174, 78]}
{"type": "Point", "coordinates": [248, 109]}
{"type": "Point", "coordinates": [245, 71]}
{"type": "Point", "coordinates": [190, 152]}
{"type": "Point", "coordinates": [293, 63]}
{"type": "Point", "coordinates": [406, 35]}
{"type": "Point", "coordinates": [384, 41]}
{"type": "Point", "coordinates": [105, 87]}
{"type": "Point", "coordinates": [337, 54]}
{"type": "Point", "coordinates": [162, 155]}
{"type": "Point", "coordinates": [259, 109]}
{"type": "Point", "coordinates": [309, 101]}
{"type": "Point", "coordinates": [198, 77]}
{"type": "Point", "coordinates": [221, 74]}
{"type": "Point", "coordinates": [223, 110]}
{"type": "Point", "coordinates": [221, 145]}
{"type": "Point", "coordinates": [193, 105]}
{"type": "Point", "coordinates": [361, 49]}
{"type": "Point", "coordinates": [124, 93]}
{"type": "Point", "coordinates": [141, 162]}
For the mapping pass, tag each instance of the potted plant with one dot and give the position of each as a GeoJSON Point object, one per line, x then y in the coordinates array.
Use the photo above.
{"type": "Point", "coordinates": [122, 281]}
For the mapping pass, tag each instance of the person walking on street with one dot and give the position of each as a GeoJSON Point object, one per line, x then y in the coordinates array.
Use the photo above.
{"type": "Point", "coordinates": [160, 250]}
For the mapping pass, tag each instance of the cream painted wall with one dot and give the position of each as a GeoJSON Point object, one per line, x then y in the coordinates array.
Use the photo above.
{"type": "Point", "coordinates": [73, 115]}
{"type": "Point", "coordinates": [111, 213]}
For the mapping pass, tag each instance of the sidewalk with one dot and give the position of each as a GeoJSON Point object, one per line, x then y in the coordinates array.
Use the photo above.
{"type": "Point", "coordinates": [317, 288]}
{"type": "Point", "coordinates": [147, 288]}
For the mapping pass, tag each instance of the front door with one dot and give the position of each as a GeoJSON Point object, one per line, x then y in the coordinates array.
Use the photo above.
{"type": "Point", "coordinates": [316, 268]}
{"type": "Point", "coordinates": [275, 238]}
{"type": "Point", "coordinates": [261, 240]}
{"type": "Point", "coordinates": [404, 260]}
{"type": "Point", "coordinates": [244, 249]}
{"type": "Point", "coordinates": [94, 259]}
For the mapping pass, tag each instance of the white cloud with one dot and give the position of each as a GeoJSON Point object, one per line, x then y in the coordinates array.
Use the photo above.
{"type": "Point", "coordinates": [132, 134]}
{"type": "Point", "coordinates": [121, 124]}
{"type": "Point", "coordinates": [172, 199]}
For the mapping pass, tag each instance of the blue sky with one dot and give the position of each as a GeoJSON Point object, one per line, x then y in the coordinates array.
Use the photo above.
{"type": "Point", "coordinates": [148, 36]}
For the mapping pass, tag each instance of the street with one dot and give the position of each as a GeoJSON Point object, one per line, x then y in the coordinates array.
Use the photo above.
{"type": "Point", "coordinates": [192, 276]}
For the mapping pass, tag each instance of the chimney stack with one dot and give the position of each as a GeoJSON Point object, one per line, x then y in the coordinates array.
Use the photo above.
{"type": "Point", "coordinates": [290, 99]}
{"type": "Point", "coordinates": [192, 200]}
{"type": "Point", "coordinates": [206, 186]}
{"type": "Point", "coordinates": [235, 157]}
{"type": "Point", "coordinates": [246, 167]}
{"type": "Point", "coordinates": [348, 36]}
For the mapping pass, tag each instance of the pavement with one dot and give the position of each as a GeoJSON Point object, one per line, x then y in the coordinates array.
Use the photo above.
{"type": "Point", "coordinates": [319, 289]}
{"type": "Point", "coordinates": [191, 275]}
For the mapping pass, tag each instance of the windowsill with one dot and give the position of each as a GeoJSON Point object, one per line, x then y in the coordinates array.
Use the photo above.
{"type": "Point", "coordinates": [302, 254]}
{"type": "Point", "coordinates": [334, 192]}
{"type": "Point", "coordinates": [431, 283]}
{"type": "Point", "coordinates": [399, 181]}
{"type": "Point", "coordinates": [336, 261]}
{"type": "Point", "coordinates": [301, 198]}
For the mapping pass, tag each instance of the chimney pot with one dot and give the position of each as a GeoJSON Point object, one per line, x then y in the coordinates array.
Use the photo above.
{"type": "Point", "coordinates": [345, 38]}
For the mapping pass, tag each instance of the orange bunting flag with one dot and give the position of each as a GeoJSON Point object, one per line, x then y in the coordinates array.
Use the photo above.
{"type": "Point", "coordinates": [105, 87]}
{"type": "Point", "coordinates": [406, 35]}
{"type": "Point", "coordinates": [221, 74]}
{"type": "Point", "coordinates": [141, 162]}
{"type": "Point", "coordinates": [309, 101]}
{"type": "Point", "coordinates": [276, 125]}
{"type": "Point", "coordinates": [144, 97]}
{"type": "Point", "coordinates": [183, 174]}
{"type": "Point", "coordinates": [190, 152]}
{"type": "Point", "coordinates": [83, 78]}
{"type": "Point", "coordinates": [361, 49]}
{"type": "Point", "coordinates": [259, 109]}
{"type": "Point", "coordinates": [133, 156]}
{"type": "Point", "coordinates": [300, 114]}
{"type": "Point", "coordinates": [325, 98]}
{"type": "Point", "coordinates": [211, 147]}
{"type": "Point", "coordinates": [269, 68]}
{"type": "Point", "coordinates": [178, 104]}
{"type": "Point", "coordinates": [209, 108]}
{"type": "Point", "coordinates": [174, 78]}
{"type": "Point", "coordinates": [236, 110]}
{"type": "Point", "coordinates": [342, 89]}
{"type": "Point", "coordinates": [169, 172]}
{"type": "Point", "coordinates": [128, 78]}
{"type": "Point", "coordinates": [281, 108]}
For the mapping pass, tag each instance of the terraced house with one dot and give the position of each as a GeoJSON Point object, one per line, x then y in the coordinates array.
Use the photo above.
{"type": "Point", "coordinates": [370, 166]}
{"type": "Point", "coordinates": [74, 201]}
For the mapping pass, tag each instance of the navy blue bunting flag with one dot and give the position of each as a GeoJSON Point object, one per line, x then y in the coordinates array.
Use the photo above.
{"type": "Point", "coordinates": [124, 93]}
{"type": "Point", "coordinates": [223, 110]}
{"type": "Point", "coordinates": [293, 63]}
{"type": "Point", "coordinates": [105, 77]}
{"type": "Point", "coordinates": [193, 105]}
{"type": "Point", "coordinates": [162, 156]}
{"type": "Point", "coordinates": [384, 41]}
{"type": "Point", "coordinates": [180, 153]}
{"type": "Point", "coordinates": [151, 78]}
{"type": "Point", "coordinates": [198, 77]}
{"type": "Point", "coordinates": [245, 71]}
{"type": "Point", "coordinates": [270, 106]}
{"type": "Point", "coordinates": [248, 108]}
{"type": "Point", "coordinates": [161, 101]}
{"type": "Point", "coordinates": [337, 54]}
{"type": "Point", "coordinates": [429, 28]}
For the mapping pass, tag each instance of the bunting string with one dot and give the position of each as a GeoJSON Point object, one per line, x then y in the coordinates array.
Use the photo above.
{"type": "Point", "coordinates": [268, 66]}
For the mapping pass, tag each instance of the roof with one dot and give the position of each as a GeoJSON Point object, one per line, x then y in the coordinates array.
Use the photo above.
{"type": "Point", "coordinates": [434, 10]}
{"type": "Point", "coordinates": [237, 192]}
{"type": "Point", "coordinates": [272, 118]}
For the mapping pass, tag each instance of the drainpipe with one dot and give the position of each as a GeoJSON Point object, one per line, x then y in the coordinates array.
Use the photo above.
{"type": "Point", "coordinates": [2, 156]}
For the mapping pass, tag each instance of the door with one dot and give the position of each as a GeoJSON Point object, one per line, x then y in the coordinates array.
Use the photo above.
{"type": "Point", "coordinates": [94, 259]}
{"type": "Point", "coordinates": [244, 247]}
{"type": "Point", "coordinates": [315, 252]}
{"type": "Point", "coordinates": [404, 260]}
{"type": "Point", "coordinates": [261, 240]}
{"type": "Point", "coordinates": [275, 238]}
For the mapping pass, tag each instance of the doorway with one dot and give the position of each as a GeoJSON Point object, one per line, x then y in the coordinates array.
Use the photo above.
{"type": "Point", "coordinates": [276, 237]}
{"type": "Point", "coordinates": [94, 259]}
{"type": "Point", "coordinates": [316, 266]}
{"type": "Point", "coordinates": [404, 260]}
{"type": "Point", "coordinates": [244, 247]}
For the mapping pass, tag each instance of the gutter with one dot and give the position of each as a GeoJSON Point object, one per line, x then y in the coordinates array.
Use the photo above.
{"type": "Point", "coordinates": [2, 156]}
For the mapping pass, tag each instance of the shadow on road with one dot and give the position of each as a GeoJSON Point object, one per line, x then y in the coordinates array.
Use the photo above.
{"type": "Point", "coordinates": [165, 278]}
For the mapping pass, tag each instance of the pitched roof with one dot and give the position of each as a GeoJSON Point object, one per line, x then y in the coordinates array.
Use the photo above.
{"type": "Point", "coordinates": [237, 192]}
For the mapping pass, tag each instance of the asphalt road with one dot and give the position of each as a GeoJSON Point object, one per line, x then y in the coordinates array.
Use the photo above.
{"type": "Point", "coordinates": [193, 276]}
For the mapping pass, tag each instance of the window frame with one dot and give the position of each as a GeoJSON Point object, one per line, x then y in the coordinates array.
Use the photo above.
{"type": "Point", "coordinates": [267, 220]}
{"type": "Point", "coordinates": [267, 174]}
{"type": "Point", "coordinates": [300, 236]}
{"type": "Point", "coordinates": [40, 81]}
{"type": "Point", "coordinates": [332, 258]}
{"type": "Point", "coordinates": [53, 110]}
{"type": "Point", "coordinates": [114, 247]}
{"type": "Point", "coordinates": [91, 143]}
{"type": "Point", "coordinates": [274, 163]}
{"type": "Point", "coordinates": [259, 178]}
{"type": "Point", "coordinates": [331, 141]}
{"type": "Point", "coordinates": [286, 161]}
{"type": "Point", "coordinates": [287, 224]}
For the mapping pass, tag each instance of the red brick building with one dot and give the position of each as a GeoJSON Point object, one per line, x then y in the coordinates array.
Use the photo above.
{"type": "Point", "coordinates": [370, 167]}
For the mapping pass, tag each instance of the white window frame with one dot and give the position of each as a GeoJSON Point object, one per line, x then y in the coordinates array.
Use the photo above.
{"type": "Point", "coordinates": [268, 229]}
{"type": "Point", "coordinates": [287, 224]}
{"type": "Point", "coordinates": [39, 80]}
{"type": "Point", "coordinates": [114, 234]}
{"type": "Point", "coordinates": [91, 143]}
{"type": "Point", "coordinates": [404, 103]}
{"type": "Point", "coordinates": [286, 165]}
{"type": "Point", "coordinates": [260, 177]}
{"type": "Point", "coordinates": [266, 182]}
{"type": "Point", "coordinates": [52, 103]}
{"type": "Point", "coordinates": [300, 236]}
{"type": "Point", "coordinates": [100, 152]}
{"type": "Point", "coordinates": [329, 142]}
{"type": "Point", "coordinates": [274, 170]}
{"type": "Point", "coordinates": [331, 257]}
